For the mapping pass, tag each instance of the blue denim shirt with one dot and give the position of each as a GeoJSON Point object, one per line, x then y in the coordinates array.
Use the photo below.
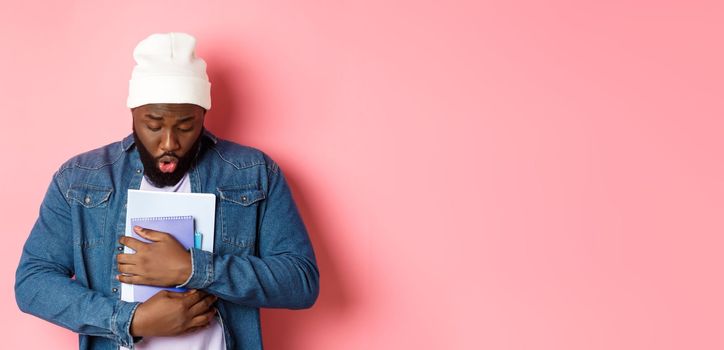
{"type": "Point", "coordinates": [262, 254]}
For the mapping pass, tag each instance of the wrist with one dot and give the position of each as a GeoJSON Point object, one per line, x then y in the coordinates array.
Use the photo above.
{"type": "Point", "coordinates": [134, 329]}
{"type": "Point", "coordinates": [185, 270]}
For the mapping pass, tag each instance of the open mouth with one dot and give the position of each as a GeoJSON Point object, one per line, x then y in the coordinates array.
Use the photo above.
{"type": "Point", "coordinates": [167, 164]}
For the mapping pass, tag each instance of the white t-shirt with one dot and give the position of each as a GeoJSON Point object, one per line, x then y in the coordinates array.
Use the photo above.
{"type": "Point", "coordinates": [209, 338]}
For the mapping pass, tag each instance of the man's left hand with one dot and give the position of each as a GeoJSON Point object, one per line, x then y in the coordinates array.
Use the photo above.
{"type": "Point", "coordinates": [164, 262]}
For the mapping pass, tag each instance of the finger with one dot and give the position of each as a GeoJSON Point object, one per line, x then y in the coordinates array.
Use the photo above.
{"type": "Point", "coordinates": [149, 234]}
{"type": "Point", "coordinates": [129, 269]}
{"type": "Point", "coordinates": [203, 294]}
{"type": "Point", "coordinates": [176, 294]}
{"type": "Point", "coordinates": [126, 258]}
{"type": "Point", "coordinates": [131, 279]}
{"type": "Point", "coordinates": [186, 293]}
{"type": "Point", "coordinates": [203, 319]}
{"type": "Point", "coordinates": [192, 329]}
{"type": "Point", "coordinates": [193, 298]}
{"type": "Point", "coordinates": [132, 243]}
{"type": "Point", "coordinates": [203, 305]}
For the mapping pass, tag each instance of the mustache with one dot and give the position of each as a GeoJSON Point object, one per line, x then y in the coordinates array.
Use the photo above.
{"type": "Point", "coordinates": [168, 154]}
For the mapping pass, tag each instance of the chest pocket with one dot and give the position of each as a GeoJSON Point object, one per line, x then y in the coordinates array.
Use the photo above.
{"type": "Point", "coordinates": [89, 207]}
{"type": "Point", "coordinates": [239, 211]}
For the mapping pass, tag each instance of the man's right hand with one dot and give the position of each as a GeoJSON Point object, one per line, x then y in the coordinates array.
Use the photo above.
{"type": "Point", "coordinates": [168, 313]}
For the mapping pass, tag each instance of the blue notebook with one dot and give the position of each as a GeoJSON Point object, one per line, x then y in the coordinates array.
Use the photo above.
{"type": "Point", "coordinates": [181, 227]}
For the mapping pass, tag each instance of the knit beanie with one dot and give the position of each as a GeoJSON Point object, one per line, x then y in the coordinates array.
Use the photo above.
{"type": "Point", "coordinates": [168, 71]}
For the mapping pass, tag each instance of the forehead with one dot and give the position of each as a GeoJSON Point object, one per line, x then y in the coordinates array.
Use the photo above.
{"type": "Point", "coordinates": [168, 109]}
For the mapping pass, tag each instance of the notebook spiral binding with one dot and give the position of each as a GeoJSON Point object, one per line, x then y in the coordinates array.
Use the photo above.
{"type": "Point", "coordinates": [163, 218]}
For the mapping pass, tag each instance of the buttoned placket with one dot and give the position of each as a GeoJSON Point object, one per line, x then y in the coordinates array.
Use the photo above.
{"type": "Point", "coordinates": [135, 183]}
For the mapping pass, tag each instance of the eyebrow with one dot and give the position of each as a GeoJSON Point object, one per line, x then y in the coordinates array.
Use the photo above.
{"type": "Point", "coordinates": [183, 119]}
{"type": "Point", "coordinates": [179, 121]}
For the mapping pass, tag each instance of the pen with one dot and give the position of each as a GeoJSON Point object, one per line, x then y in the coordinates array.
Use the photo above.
{"type": "Point", "coordinates": [197, 239]}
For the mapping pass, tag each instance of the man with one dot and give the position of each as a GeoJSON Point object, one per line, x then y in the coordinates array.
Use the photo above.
{"type": "Point", "coordinates": [72, 264]}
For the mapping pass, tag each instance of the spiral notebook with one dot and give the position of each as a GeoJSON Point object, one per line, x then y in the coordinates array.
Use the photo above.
{"type": "Point", "coordinates": [180, 227]}
{"type": "Point", "coordinates": [143, 204]}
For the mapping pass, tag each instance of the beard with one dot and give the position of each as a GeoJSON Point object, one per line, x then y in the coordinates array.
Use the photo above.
{"type": "Point", "coordinates": [150, 163]}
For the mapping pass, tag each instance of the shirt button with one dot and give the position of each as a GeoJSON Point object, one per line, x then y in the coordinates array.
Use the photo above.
{"type": "Point", "coordinates": [115, 290]}
{"type": "Point", "coordinates": [120, 248]}
{"type": "Point", "coordinates": [138, 171]}
{"type": "Point", "coordinates": [243, 198]}
{"type": "Point", "coordinates": [87, 200]}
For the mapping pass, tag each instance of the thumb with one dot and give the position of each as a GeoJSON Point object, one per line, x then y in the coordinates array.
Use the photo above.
{"type": "Point", "coordinates": [148, 234]}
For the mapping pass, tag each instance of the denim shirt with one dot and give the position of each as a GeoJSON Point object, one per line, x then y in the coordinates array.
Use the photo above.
{"type": "Point", "coordinates": [262, 254]}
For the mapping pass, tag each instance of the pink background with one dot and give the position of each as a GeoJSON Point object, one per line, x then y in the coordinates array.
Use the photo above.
{"type": "Point", "coordinates": [474, 174]}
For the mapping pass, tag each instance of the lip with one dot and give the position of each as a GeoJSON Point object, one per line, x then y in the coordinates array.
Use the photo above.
{"type": "Point", "coordinates": [167, 164]}
{"type": "Point", "coordinates": [168, 159]}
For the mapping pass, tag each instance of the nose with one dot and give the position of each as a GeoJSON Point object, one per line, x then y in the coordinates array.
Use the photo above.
{"type": "Point", "coordinates": [169, 142]}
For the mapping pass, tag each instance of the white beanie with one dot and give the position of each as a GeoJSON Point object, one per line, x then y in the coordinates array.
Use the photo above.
{"type": "Point", "coordinates": [168, 71]}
